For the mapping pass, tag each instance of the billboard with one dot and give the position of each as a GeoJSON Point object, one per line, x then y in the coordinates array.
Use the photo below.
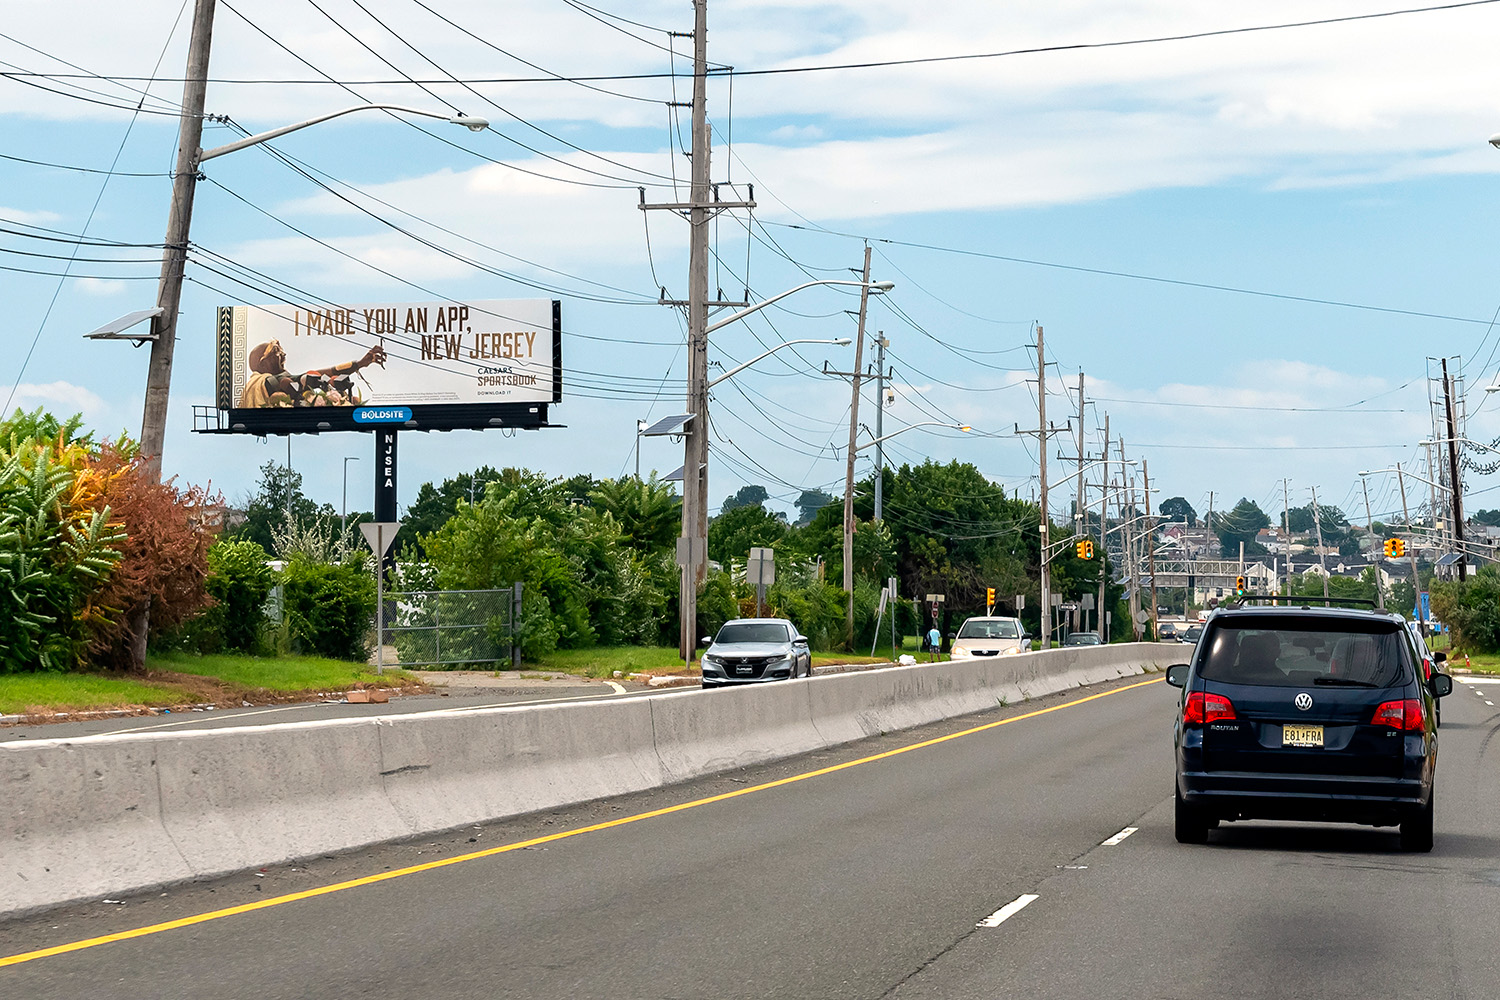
{"type": "Point", "coordinates": [286, 368]}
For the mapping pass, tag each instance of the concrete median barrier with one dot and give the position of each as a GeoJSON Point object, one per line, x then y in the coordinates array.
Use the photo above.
{"type": "Point", "coordinates": [107, 815]}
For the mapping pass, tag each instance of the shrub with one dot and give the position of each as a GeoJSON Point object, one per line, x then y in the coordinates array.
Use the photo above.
{"type": "Point", "coordinates": [1471, 609]}
{"type": "Point", "coordinates": [328, 609]}
{"type": "Point", "coordinates": [239, 582]}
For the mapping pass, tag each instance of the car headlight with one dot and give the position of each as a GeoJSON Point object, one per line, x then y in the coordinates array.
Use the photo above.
{"type": "Point", "coordinates": [960, 653]}
{"type": "Point", "coordinates": [1010, 650]}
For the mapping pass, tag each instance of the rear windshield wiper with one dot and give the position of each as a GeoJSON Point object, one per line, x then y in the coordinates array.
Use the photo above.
{"type": "Point", "coordinates": [1347, 682]}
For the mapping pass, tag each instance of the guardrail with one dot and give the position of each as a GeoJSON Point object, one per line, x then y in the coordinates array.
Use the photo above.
{"type": "Point", "coordinates": [107, 815]}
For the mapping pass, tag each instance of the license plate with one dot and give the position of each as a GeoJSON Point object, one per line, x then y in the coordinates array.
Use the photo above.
{"type": "Point", "coordinates": [1301, 736]}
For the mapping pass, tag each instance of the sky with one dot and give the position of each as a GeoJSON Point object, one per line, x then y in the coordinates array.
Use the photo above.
{"type": "Point", "coordinates": [1254, 245]}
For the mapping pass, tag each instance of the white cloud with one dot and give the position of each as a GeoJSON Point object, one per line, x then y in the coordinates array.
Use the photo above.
{"type": "Point", "coordinates": [99, 286]}
{"type": "Point", "coordinates": [61, 398]}
{"type": "Point", "coordinates": [29, 218]}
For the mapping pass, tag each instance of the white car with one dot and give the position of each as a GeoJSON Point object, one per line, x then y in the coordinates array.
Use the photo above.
{"type": "Point", "coordinates": [990, 637]}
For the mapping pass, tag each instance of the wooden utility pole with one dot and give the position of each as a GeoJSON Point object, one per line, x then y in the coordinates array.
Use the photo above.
{"type": "Point", "coordinates": [859, 355]}
{"type": "Point", "coordinates": [1078, 509]}
{"type": "Point", "coordinates": [1286, 529]}
{"type": "Point", "coordinates": [1318, 524]}
{"type": "Point", "coordinates": [1103, 536]}
{"type": "Point", "coordinates": [1150, 544]}
{"type": "Point", "coordinates": [1453, 482]}
{"type": "Point", "coordinates": [1416, 580]}
{"type": "Point", "coordinates": [880, 345]}
{"type": "Point", "coordinates": [1041, 450]}
{"type": "Point", "coordinates": [174, 253]}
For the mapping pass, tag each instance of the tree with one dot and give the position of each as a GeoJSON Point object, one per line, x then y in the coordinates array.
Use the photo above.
{"type": "Point", "coordinates": [735, 532]}
{"type": "Point", "coordinates": [278, 496]}
{"type": "Point", "coordinates": [1334, 523]}
{"type": "Point", "coordinates": [1241, 524]}
{"type": "Point", "coordinates": [649, 512]}
{"type": "Point", "coordinates": [163, 558]}
{"type": "Point", "coordinates": [435, 504]}
{"type": "Point", "coordinates": [810, 502]}
{"type": "Point", "coordinates": [747, 496]}
{"type": "Point", "coordinates": [1178, 509]}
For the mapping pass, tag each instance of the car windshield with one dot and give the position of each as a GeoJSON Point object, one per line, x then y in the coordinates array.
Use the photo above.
{"type": "Point", "coordinates": [974, 629]}
{"type": "Point", "coordinates": [1279, 652]}
{"type": "Point", "coordinates": [752, 632]}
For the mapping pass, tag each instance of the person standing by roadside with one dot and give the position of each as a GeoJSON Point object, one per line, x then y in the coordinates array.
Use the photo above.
{"type": "Point", "coordinates": [934, 644]}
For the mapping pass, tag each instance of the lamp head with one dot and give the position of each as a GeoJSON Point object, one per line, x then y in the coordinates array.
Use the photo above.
{"type": "Point", "coordinates": [964, 427]}
{"type": "Point", "coordinates": [470, 122]}
{"type": "Point", "coordinates": [842, 342]}
{"type": "Point", "coordinates": [882, 286]}
{"type": "Point", "coordinates": [1495, 140]}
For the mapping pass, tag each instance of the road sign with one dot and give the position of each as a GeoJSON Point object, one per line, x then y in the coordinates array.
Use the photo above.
{"type": "Point", "coordinates": [690, 551]}
{"type": "Point", "coordinates": [760, 569]}
{"type": "Point", "coordinates": [1088, 602]}
{"type": "Point", "coordinates": [1143, 617]}
{"type": "Point", "coordinates": [380, 535]}
{"type": "Point", "coordinates": [1020, 602]}
{"type": "Point", "coordinates": [936, 598]}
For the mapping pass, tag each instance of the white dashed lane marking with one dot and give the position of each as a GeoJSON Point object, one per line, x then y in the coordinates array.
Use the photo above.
{"type": "Point", "coordinates": [1112, 841]}
{"type": "Point", "coordinates": [1009, 910]}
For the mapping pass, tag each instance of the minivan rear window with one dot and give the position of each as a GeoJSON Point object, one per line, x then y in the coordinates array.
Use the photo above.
{"type": "Point", "coordinates": [1280, 652]}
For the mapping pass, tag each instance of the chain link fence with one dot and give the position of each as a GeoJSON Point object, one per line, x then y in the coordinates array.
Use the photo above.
{"type": "Point", "coordinates": [453, 629]}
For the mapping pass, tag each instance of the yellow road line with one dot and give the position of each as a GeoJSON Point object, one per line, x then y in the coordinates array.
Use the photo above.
{"type": "Point", "coordinates": [293, 897]}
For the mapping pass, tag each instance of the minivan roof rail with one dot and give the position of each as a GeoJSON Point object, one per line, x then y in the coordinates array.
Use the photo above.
{"type": "Point", "coordinates": [1305, 601]}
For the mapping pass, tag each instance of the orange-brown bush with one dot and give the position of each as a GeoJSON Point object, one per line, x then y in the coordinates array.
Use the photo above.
{"type": "Point", "coordinates": [163, 560]}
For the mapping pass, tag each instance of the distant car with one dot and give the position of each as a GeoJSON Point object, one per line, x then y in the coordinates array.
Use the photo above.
{"type": "Point", "coordinates": [1083, 639]}
{"type": "Point", "coordinates": [1313, 714]}
{"type": "Point", "coordinates": [753, 650]}
{"type": "Point", "coordinates": [989, 637]}
{"type": "Point", "coordinates": [1191, 634]}
{"type": "Point", "coordinates": [1166, 631]}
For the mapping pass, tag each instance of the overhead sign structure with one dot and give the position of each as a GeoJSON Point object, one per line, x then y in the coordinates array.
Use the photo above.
{"type": "Point", "coordinates": [296, 368]}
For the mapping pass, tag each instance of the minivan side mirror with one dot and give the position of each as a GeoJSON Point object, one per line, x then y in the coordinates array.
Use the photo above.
{"type": "Point", "coordinates": [1441, 685]}
{"type": "Point", "coordinates": [1177, 675]}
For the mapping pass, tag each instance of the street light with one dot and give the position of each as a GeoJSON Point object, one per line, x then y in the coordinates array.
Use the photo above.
{"type": "Point", "coordinates": [840, 341]}
{"type": "Point", "coordinates": [693, 550]}
{"type": "Point", "coordinates": [911, 427]}
{"type": "Point", "coordinates": [344, 506]}
{"type": "Point", "coordinates": [190, 156]}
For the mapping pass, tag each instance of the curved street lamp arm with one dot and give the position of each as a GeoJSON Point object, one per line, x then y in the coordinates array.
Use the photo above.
{"type": "Point", "coordinates": [880, 286]}
{"type": "Point", "coordinates": [909, 427]}
{"type": "Point", "coordinates": [841, 341]}
{"type": "Point", "coordinates": [475, 124]}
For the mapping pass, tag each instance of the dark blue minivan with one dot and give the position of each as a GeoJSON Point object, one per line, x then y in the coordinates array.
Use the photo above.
{"type": "Point", "coordinates": [1302, 713]}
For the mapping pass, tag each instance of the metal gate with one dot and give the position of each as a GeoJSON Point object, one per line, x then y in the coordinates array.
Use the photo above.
{"type": "Point", "coordinates": [453, 629]}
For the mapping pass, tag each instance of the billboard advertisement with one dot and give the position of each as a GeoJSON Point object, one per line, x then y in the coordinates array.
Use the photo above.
{"type": "Point", "coordinates": [432, 365]}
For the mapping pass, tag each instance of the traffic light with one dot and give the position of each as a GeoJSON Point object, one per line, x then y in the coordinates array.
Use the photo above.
{"type": "Point", "coordinates": [1239, 586]}
{"type": "Point", "coordinates": [1085, 549]}
{"type": "Point", "coordinates": [1390, 547]}
{"type": "Point", "coordinates": [1395, 548]}
{"type": "Point", "coordinates": [989, 597]}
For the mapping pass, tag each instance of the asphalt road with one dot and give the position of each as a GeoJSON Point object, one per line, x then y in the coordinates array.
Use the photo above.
{"type": "Point", "coordinates": [1032, 857]}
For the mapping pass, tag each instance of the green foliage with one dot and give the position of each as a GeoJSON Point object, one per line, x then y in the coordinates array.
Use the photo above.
{"type": "Point", "coordinates": [329, 609]}
{"type": "Point", "coordinates": [56, 550]}
{"type": "Point", "coordinates": [648, 512]}
{"type": "Point", "coordinates": [277, 500]}
{"type": "Point", "coordinates": [810, 502]}
{"type": "Point", "coordinates": [746, 496]}
{"type": "Point", "coordinates": [735, 532]}
{"type": "Point", "coordinates": [239, 582]}
{"type": "Point", "coordinates": [1310, 584]}
{"type": "Point", "coordinates": [1178, 509]}
{"type": "Point", "coordinates": [1471, 610]}
{"type": "Point", "coordinates": [1241, 524]}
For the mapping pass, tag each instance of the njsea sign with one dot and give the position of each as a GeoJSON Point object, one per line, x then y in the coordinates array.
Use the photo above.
{"type": "Point", "coordinates": [289, 367]}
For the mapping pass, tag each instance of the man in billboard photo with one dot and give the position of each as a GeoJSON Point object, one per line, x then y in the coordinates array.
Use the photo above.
{"type": "Point", "coordinates": [271, 385]}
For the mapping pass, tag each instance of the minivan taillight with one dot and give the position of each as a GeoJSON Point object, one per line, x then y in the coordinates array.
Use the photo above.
{"type": "Point", "coordinates": [1405, 715]}
{"type": "Point", "coordinates": [1202, 707]}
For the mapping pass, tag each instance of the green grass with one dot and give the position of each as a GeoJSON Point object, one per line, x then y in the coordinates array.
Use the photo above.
{"type": "Point", "coordinates": [273, 673]}
{"type": "Point", "coordinates": [20, 693]}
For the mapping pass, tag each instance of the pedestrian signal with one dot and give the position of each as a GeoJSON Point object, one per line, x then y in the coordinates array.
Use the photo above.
{"type": "Point", "coordinates": [1239, 586]}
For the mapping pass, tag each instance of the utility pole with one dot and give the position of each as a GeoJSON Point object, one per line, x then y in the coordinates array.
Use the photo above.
{"type": "Point", "coordinates": [880, 346]}
{"type": "Point", "coordinates": [1286, 530]}
{"type": "Point", "coordinates": [1416, 580]}
{"type": "Point", "coordinates": [174, 253]}
{"type": "Point", "coordinates": [1150, 544]}
{"type": "Point", "coordinates": [1318, 524]}
{"type": "Point", "coordinates": [1103, 539]}
{"type": "Point", "coordinates": [859, 349]}
{"type": "Point", "coordinates": [1130, 554]}
{"type": "Point", "coordinates": [1078, 510]}
{"type": "Point", "coordinates": [1458, 498]}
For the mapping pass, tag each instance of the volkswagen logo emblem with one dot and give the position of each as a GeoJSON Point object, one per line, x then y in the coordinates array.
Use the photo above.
{"type": "Point", "coordinates": [1303, 700]}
